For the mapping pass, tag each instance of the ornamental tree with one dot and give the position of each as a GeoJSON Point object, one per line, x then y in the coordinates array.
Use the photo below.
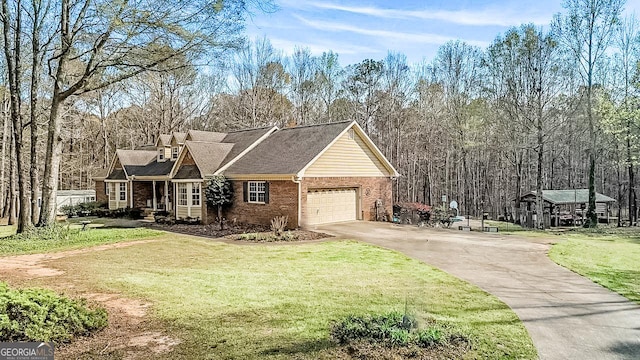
{"type": "Point", "coordinates": [219, 193]}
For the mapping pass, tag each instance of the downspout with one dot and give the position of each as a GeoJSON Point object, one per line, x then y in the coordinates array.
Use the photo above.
{"type": "Point", "coordinates": [296, 179]}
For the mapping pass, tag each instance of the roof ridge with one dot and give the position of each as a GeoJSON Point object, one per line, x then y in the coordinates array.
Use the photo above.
{"type": "Point", "coordinates": [250, 129]}
{"type": "Point", "coordinates": [321, 124]}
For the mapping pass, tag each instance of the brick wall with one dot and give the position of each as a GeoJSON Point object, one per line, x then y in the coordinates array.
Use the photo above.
{"type": "Point", "coordinates": [101, 193]}
{"type": "Point", "coordinates": [369, 189]}
{"type": "Point", "coordinates": [283, 199]}
{"type": "Point", "coordinates": [142, 190]}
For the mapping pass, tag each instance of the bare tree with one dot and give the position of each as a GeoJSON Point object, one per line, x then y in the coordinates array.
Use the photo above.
{"type": "Point", "coordinates": [586, 31]}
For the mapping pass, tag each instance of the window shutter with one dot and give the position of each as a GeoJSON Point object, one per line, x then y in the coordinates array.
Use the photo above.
{"type": "Point", "coordinates": [266, 192]}
{"type": "Point", "coordinates": [245, 191]}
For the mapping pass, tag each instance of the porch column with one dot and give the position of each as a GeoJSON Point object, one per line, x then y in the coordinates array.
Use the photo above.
{"type": "Point", "coordinates": [155, 201]}
{"type": "Point", "coordinates": [166, 196]}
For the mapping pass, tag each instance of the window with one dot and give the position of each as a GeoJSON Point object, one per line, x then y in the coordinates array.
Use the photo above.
{"type": "Point", "coordinates": [106, 189]}
{"type": "Point", "coordinates": [123, 191]}
{"type": "Point", "coordinates": [160, 154]}
{"type": "Point", "coordinates": [182, 194]}
{"type": "Point", "coordinates": [350, 134]}
{"type": "Point", "coordinates": [257, 190]}
{"type": "Point", "coordinates": [112, 191]}
{"type": "Point", "coordinates": [174, 152]}
{"type": "Point", "coordinates": [195, 194]}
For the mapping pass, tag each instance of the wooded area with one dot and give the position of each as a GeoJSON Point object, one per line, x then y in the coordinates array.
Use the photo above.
{"type": "Point", "coordinates": [538, 109]}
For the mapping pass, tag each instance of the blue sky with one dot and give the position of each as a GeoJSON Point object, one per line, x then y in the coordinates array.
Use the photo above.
{"type": "Point", "coordinates": [363, 29]}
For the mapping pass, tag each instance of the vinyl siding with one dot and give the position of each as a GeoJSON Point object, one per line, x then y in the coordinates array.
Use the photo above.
{"type": "Point", "coordinates": [347, 157]}
{"type": "Point", "coordinates": [183, 211]}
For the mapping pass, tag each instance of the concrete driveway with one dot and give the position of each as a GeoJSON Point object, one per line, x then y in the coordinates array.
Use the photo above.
{"type": "Point", "coordinates": [567, 315]}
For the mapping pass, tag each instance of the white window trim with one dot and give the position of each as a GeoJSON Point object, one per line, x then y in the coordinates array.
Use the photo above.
{"type": "Point", "coordinates": [121, 191]}
{"type": "Point", "coordinates": [249, 183]}
{"type": "Point", "coordinates": [199, 193]}
{"type": "Point", "coordinates": [175, 151]}
{"type": "Point", "coordinates": [161, 154]}
{"type": "Point", "coordinates": [181, 186]}
{"type": "Point", "coordinates": [189, 188]}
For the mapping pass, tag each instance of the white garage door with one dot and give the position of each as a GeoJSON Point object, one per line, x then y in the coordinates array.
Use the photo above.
{"type": "Point", "coordinates": [327, 206]}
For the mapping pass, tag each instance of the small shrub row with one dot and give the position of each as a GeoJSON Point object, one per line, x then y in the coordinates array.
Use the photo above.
{"type": "Point", "coordinates": [42, 315]}
{"type": "Point", "coordinates": [84, 209]}
{"type": "Point", "coordinates": [392, 329]}
{"type": "Point", "coordinates": [268, 237]}
{"type": "Point", "coordinates": [129, 213]}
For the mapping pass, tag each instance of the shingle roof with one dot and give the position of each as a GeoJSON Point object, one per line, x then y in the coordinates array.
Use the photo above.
{"type": "Point", "coordinates": [164, 140]}
{"type": "Point", "coordinates": [188, 172]}
{"type": "Point", "coordinates": [577, 196]}
{"type": "Point", "coordinates": [208, 156]}
{"type": "Point", "coordinates": [117, 174]}
{"type": "Point", "coordinates": [100, 174]}
{"type": "Point", "coordinates": [153, 168]}
{"type": "Point", "coordinates": [135, 157]}
{"type": "Point", "coordinates": [206, 136]}
{"type": "Point", "coordinates": [180, 137]}
{"type": "Point", "coordinates": [287, 151]}
{"type": "Point", "coordinates": [241, 140]}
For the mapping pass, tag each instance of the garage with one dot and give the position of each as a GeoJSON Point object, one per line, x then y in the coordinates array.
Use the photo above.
{"type": "Point", "coordinates": [331, 205]}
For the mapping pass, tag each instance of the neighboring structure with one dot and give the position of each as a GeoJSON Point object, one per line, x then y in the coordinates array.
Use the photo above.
{"type": "Point", "coordinates": [565, 207]}
{"type": "Point", "coordinates": [312, 174]}
{"type": "Point", "coordinates": [73, 197]}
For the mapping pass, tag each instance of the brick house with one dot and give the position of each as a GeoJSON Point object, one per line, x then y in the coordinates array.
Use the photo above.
{"type": "Point", "coordinates": [313, 174]}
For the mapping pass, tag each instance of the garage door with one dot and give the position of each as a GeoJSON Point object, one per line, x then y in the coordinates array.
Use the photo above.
{"type": "Point", "coordinates": [327, 206]}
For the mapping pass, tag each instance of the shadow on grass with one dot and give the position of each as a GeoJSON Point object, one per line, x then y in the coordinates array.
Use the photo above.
{"type": "Point", "coordinates": [298, 348]}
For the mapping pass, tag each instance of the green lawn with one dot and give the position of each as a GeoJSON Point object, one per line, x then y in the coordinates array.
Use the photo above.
{"type": "Point", "coordinates": [277, 301]}
{"type": "Point", "coordinates": [63, 238]}
{"type": "Point", "coordinates": [7, 230]}
{"type": "Point", "coordinates": [611, 260]}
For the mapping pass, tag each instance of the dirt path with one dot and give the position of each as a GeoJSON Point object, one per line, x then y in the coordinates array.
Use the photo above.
{"type": "Point", "coordinates": [130, 334]}
{"type": "Point", "coordinates": [568, 316]}
{"type": "Point", "coordinates": [35, 265]}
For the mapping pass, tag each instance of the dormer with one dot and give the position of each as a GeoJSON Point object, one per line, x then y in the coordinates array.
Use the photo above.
{"type": "Point", "coordinates": [177, 143]}
{"type": "Point", "coordinates": [163, 146]}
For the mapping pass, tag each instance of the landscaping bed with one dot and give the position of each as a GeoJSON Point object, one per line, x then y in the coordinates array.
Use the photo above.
{"type": "Point", "coordinates": [240, 232]}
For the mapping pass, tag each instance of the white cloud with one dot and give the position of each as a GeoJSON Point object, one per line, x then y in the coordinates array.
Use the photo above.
{"type": "Point", "coordinates": [503, 16]}
{"type": "Point", "coordinates": [393, 36]}
{"type": "Point", "coordinates": [318, 48]}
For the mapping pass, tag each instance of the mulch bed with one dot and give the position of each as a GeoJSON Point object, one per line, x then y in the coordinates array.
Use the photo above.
{"type": "Point", "coordinates": [231, 231]}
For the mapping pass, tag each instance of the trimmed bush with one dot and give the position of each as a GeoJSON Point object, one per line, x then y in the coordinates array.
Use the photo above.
{"type": "Point", "coordinates": [392, 330]}
{"type": "Point", "coordinates": [42, 315]}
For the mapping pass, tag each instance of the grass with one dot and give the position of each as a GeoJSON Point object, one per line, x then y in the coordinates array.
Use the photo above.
{"type": "Point", "coordinates": [607, 256]}
{"type": "Point", "coordinates": [7, 230]}
{"type": "Point", "coordinates": [62, 238]}
{"type": "Point", "coordinates": [228, 301]}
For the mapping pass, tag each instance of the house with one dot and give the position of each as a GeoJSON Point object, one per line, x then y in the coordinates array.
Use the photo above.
{"type": "Point", "coordinates": [568, 206]}
{"type": "Point", "coordinates": [313, 174]}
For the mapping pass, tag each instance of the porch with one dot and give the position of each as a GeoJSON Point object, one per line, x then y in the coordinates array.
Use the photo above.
{"type": "Point", "coordinates": [152, 196]}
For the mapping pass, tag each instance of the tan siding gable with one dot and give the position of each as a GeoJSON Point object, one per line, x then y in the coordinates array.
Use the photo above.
{"type": "Point", "coordinates": [347, 157]}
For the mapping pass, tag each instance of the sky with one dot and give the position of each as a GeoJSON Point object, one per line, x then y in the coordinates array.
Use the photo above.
{"type": "Point", "coordinates": [363, 29]}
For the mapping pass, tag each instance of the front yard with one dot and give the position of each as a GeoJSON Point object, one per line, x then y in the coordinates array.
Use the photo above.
{"type": "Point", "coordinates": [609, 259]}
{"type": "Point", "coordinates": [228, 301]}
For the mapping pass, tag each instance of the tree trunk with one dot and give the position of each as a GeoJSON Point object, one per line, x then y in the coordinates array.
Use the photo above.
{"type": "Point", "coordinates": [3, 158]}
{"type": "Point", "coordinates": [33, 166]}
{"type": "Point", "coordinates": [52, 163]}
{"type": "Point", "coordinates": [632, 183]}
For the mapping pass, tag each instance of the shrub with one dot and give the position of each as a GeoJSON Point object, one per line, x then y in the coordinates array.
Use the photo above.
{"type": "Point", "coordinates": [84, 209]}
{"type": "Point", "coordinates": [392, 329]}
{"type": "Point", "coordinates": [42, 315]}
{"type": "Point", "coordinates": [279, 224]}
